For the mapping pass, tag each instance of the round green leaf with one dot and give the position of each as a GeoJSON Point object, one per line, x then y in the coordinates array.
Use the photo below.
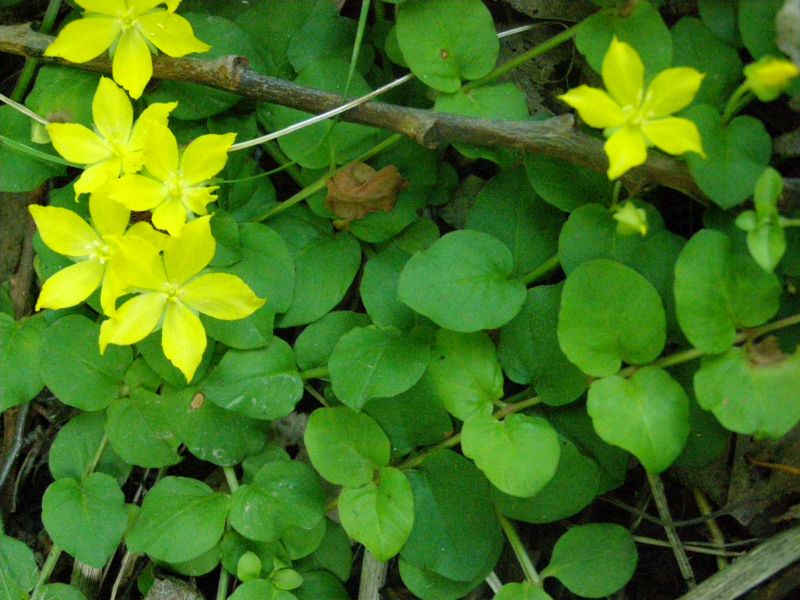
{"type": "Point", "coordinates": [74, 369]}
{"type": "Point", "coordinates": [456, 534]}
{"type": "Point", "coordinates": [593, 560]}
{"type": "Point", "coordinates": [22, 172]}
{"type": "Point", "coordinates": [18, 570]}
{"type": "Point", "coordinates": [445, 41]}
{"type": "Point", "coordinates": [63, 95]}
{"type": "Point", "coordinates": [334, 553]}
{"type": "Point", "coordinates": [315, 344]}
{"type": "Point", "coordinates": [75, 447]}
{"type": "Point", "coordinates": [519, 455]}
{"type": "Point", "coordinates": [718, 290]}
{"type": "Point", "coordinates": [324, 32]}
{"type": "Point", "coordinates": [647, 415]}
{"type": "Point", "coordinates": [529, 350]}
{"type": "Point", "coordinates": [572, 488]}
{"type": "Point", "coordinates": [260, 384]}
{"type": "Point", "coordinates": [462, 282]}
{"type": "Point", "coordinates": [381, 515]}
{"type": "Point", "coordinates": [564, 185]}
{"type": "Point", "coordinates": [299, 542]}
{"type": "Point", "coordinates": [260, 589]}
{"type": "Point", "coordinates": [320, 585]}
{"type": "Point", "coordinates": [609, 314]}
{"type": "Point", "coordinates": [379, 290]}
{"type": "Point", "coordinates": [20, 377]}
{"type": "Point", "coordinates": [87, 520]}
{"type": "Point", "coordinates": [371, 362]}
{"type": "Point", "coordinates": [521, 591]}
{"type": "Point", "coordinates": [180, 519]}
{"type": "Point", "coordinates": [751, 394]}
{"type": "Point", "coordinates": [757, 26]}
{"type": "Point", "coordinates": [344, 446]}
{"type": "Point", "coordinates": [197, 566]}
{"type": "Point", "coordinates": [736, 155]}
{"type": "Point", "coordinates": [644, 29]}
{"type": "Point", "coordinates": [466, 373]}
{"type": "Point", "coordinates": [720, 16]}
{"type": "Point", "coordinates": [283, 493]}
{"type": "Point", "coordinates": [432, 586]}
{"type": "Point", "coordinates": [60, 591]}
{"type": "Point", "coordinates": [139, 429]}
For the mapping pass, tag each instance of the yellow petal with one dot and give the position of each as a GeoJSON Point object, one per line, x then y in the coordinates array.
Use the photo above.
{"type": "Point", "coordinates": [170, 33]}
{"type": "Point", "coordinates": [84, 39]}
{"type": "Point", "coordinates": [671, 91]}
{"type": "Point", "coordinates": [222, 296]}
{"type": "Point", "coordinates": [186, 256]}
{"type": "Point", "coordinates": [71, 285]}
{"type": "Point", "coordinates": [146, 231]}
{"type": "Point", "coordinates": [112, 111]}
{"type": "Point", "coordinates": [161, 151]}
{"type": "Point", "coordinates": [138, 192]}
{"type": "Point", "coordinates": [106, 7]}
{"type": "Point", "coordinates": [623, 73]}
{"type": "Point", "coordinates": [170, 216]}
{"type": "Point", "coordinates": [625, 149]}
{"type": "Point", "coordinates": [594, 106]}
{"type": "Point", "coordinates": [157, 112]}
{"type": "Point", "coordinates": [64, 231]}
{"type": "Point", "coordinates": [143, 6]}
{"type": "Point", "coordinates": [112, 287]}
{"type": "Point", "coordinates": [133, 66]}
{"type": "Point", "coordinates": [183, 339]}
{"type": "Point", "coordinates": [673, 135]}
{"type": "Point", "coordinates": [97, 176]}
{"type": "Point", "coordinates": [197, 198]}
{"type": "Point", "coordinates": [109, 217]}
{"type": "Point", "coordinates": [138, 263]}
{"type": "Point", "coordinates": [205, 157]}
{"type": "Point", "coordinates": [768, 77]}
{"type": "Point", "coordinates": [78, 143]}
{"type": "Point", "coordinates": [133, 321]}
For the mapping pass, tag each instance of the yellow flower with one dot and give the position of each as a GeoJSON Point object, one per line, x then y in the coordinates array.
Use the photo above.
{"type": "Point", "coordinates": [630, 220]}
{"type": "Point", "coordinates": [117, 144]}
{"type": "Point", "coordinates": [170, 293]}
{"type": "Point", "coordinates": [176, 186]}
{"type": "Point", "coordinates": [634, 118]}
{"type": "Point", "coordinates": [769, 76]}
{"type": "Point", "coordinates": [93, 247]}
{"type": "Point", "coordinates": [131, 28]}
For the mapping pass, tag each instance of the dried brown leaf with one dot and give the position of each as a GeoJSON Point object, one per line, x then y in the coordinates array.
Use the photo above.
{"type": "Point", "coordinates": [358, 189]}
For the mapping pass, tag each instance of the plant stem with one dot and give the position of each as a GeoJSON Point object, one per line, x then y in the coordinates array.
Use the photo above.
{"type": "Point", "coordinates": [47, 570]}
{"type": "Point", "coordinates": [537, 50]}
{"type": "Point", "coordinates": [519, 550]}
{"type": "Point", "coordinates": [97, 455]}
{"type": "Point", "coordinates": [222, 586]}
{"type": "Point", "coordinates": [738, 100]}
{"type": "Point", "coordinates": [547, 267]}
{"type": "Point", "coordinates": [29, 68]}
{"type": "Point", "coordinates": [230, 477]}
{"type": "Point", "coordinates": [25, 149]}
{"type": "Point", "coordinates": [315, 373]}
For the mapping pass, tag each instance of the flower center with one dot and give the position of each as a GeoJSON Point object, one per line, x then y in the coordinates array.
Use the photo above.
{"type": "Point", "coordinates": [127, 19]}
{"type": "Point", "coordinates": [174, 187]}
{"type": "Point", "coordinates": [98, 251]}
{"type": "Point", "coordinates": [174, 291]}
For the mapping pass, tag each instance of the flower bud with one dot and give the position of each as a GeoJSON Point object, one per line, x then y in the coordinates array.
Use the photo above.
{"type": "Point", "coordinates": [769, 76]}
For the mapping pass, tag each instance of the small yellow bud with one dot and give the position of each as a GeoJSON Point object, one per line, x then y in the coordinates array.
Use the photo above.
{"type": "Point", "coordinates": [631, 220]}
{"type": "Point", "coordinates": [769, 76]}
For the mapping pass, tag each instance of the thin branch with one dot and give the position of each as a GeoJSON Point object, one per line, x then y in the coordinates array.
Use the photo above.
{"type": "Point", "coordinates": [554, 137]}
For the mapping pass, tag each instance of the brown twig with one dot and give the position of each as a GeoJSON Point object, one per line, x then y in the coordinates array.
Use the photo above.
{"type": "Point", "coordinates": [554, 137]}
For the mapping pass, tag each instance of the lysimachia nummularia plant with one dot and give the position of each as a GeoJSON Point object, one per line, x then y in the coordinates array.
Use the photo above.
{"type": "Point", "coordinates": [268, 346]}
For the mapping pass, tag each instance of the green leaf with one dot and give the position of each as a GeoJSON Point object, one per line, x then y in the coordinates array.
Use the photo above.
{"type": "Point", "coordinates": [647, 415]}
{"type": "Point", "coordinates": [18, 569]}
{"type": "Point", "coordinates": [695, 45]}
{"type": "Point", "coordinates": [324, 269]}
{"type": "Point", "coordinates": [519, 454]}
{"type": "Point", "coordinates": [456, 533]}
{"type": "Point", "coordinates": [381, 515]}
{"type": "Point", "coordinates": [75, 448]}
{"type": "Point", "coordinates": [320, 585]}
{"type": "Point", "coordinates": [63, 95]}
{"type": "Point", "coordinates": [23, 172]}
{"type": "Point", "coordinates": [593, 560]}
{"type": "Point", "coordinates": [344, 446]}
{"type": "Point", "coordinates": [197, 566]}
{"type": "Point", "coordinates": [609, 314]}
{"type": "Point", "coordinates": [529, 350]}
{"type": "Point", "coordinates": [299, 542]}
{"type": "Point", "coordinates": [140, 430]}
{"type": "Point", "coordinates": [86, 519]}
{"type": "Point", "coordinates": [564, 185]}
{"type": "Point", "coordinates": [267, 267]}
{"type": "Point", "coordinates": [432, 586]}
{"type": "Point", "coordinates": [521, 591]}
{"type": "Point", "coordinates": [445, 41]}
{"type": "Point", "coordinates": [151, 350]}
{"type": "Point", "coordinates": [260, 384]}
{"type": "Point", "coordinates": [466, 373]}
{"type": "Point", "coordinates": [20, 378]}
{"type": "Point", "coordinates": [750, 393]}
{"type": "Point", "coordinates": [334, 554]}
{"type": "Point", "coordinates": [371, 362]}
{"type": "Point", "coordinates": [736, 155]}
{"type": "Point", "coordinates": [462, 282]}
{"type": "Point", "coordinates": [180, 519]}
{"type": "Point", "coordinates": [644, 29]}
{"type": "Point", "coordinates": [720, 16]}
{"type": "Point", "coordinates": [414, 418]}
{"type": "Point", "coordinates": [314, 146]}
{"type": "Point", "coordinates": [213, 434]}
{"type": "Point", "coordinates": [509, 210]}
{"type": "Point", "coordinates": [757, 26]}
{"type": "Point", "coordinates": [60, 591]}
{"type": "Point", "coordinates": [233, 547]}
{"type": "Point", "coordinates": [323, 33]}
{"type": "Point", "coordinates": [718, 290]}
{"type": "Point", "coordinates": [379, 290]}
{"type": "Point", "coordinates": [316, 342]}
{"type": "Point", "coordinates": [260, 589]}
{"type": "Point", "coordinates": [74, 369]}
{"type": "Point", "coordinates": [572, 488]}
{"type": "Point", "coordinates": [283, 493]}
{"type": "Point", "coordinates": [503, 101]}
